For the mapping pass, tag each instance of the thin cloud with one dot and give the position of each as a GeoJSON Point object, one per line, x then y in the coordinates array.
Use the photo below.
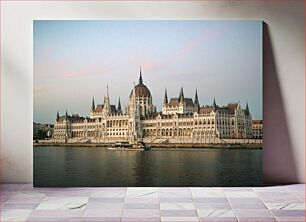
{"type": "Point", "coordinates": [152, 64]}
{"type": "Point", "coordinates": [89, 71]}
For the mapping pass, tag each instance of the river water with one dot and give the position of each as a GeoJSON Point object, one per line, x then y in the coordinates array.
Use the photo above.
{"type": "Point", "coordinates": [96, 166]}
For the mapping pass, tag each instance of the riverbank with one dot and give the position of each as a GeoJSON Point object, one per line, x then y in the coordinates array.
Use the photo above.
{"type": "Point", "coordinates": [160, 145]}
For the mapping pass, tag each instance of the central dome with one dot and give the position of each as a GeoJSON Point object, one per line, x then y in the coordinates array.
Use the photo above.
{"type": "Point", "coordinates": [141, 90]}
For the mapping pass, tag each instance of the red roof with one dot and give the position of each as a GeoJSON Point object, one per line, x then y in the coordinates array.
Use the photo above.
{"type": "Point", "coordinates": [257, 121]}
{"type": "Point", "coordinates": [99, 108]}
{"type": "Point", "coordinates": [205, 110]}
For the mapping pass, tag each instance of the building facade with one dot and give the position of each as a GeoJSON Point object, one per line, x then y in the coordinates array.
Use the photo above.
{"type": "Point", "coordinates": [257, 126]}
{"type": "Point", "coordinates": [42, 131]}
{"type": "Point", "coordinates": [182, 120]}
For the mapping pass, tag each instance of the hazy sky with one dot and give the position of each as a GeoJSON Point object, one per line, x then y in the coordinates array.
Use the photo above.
{"type": "Point", "coordinates": [76, 60]}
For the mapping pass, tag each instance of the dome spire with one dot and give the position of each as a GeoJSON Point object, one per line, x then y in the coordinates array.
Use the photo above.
{"type": "Point", "coordinates": [140, 76]}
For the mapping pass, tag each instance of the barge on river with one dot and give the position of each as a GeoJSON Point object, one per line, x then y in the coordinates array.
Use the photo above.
{"type": "Point", "coordinates": [129, 146]}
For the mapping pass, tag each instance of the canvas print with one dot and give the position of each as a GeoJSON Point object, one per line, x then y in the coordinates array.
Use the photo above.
{"type": "Point", "coordinates": [147, 103]}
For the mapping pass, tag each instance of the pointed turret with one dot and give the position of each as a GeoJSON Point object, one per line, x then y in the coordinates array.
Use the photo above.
{"type": "Point", "coordinates": [181, 97]}
{"type": "Point", "coordinates": [106, 105]}
{"type": "Point", "coordinates": [140, 76]}
{"type": "Point", "coordinates": [66, 115]}
{"type": "Point", "coordinates": [93, 107]}
{"type": "Point", "coordinates": [214, 105]}
{"type": "Point", "coordinates": [119, 107]}
{"type": "Point", "coordinates": [57, 116]}
{"type": "Point", "coordinates": [196, 100]}
{"type": "Point", "coordinates": [166, 98]}
{"type": "Point", "coordinates": [247, 108]}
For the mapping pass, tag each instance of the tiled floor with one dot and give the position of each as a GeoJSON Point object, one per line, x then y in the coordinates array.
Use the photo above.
{"type": "Point", "coordinates": [22, 202]}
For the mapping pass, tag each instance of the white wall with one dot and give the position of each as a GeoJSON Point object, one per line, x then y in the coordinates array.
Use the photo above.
{"type": "Point", "coordinates": [284, 86]}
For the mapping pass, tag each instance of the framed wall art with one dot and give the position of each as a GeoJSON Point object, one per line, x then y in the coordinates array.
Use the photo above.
{"type": "Point", "coordinates": [147, 103]}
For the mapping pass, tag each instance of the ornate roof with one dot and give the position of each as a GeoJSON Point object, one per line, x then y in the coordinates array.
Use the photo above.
{"type": "Point", "coordinates": [113, 109]}
{"type": "Point", "coordinates": [99, 108]}
{"type": "Point", "coordinates": [176, 101]}
{"type": "Point", "coordinates": [73, 119]}
{"type": "Point", "coordinates": [232, 107]}
{"type": "Point", "coordinates": [141, 90]}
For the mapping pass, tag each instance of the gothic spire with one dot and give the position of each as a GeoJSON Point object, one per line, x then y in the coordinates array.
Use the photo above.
{"type": "Point", "coordinates": [196, 100]}
{"type": "Point", "coordinates": [247, 108]}
{"type": "Point", "coordinates": [93, 107]}
{"type": "Point", "coordinates": [106, 105]}
{"type": "Point", "coordinates": [119, 107]}
{"type": "Point", "coordinates": [181, 97]}
{"type": "Point", "coordinates": [165, 98]}
{"type": "Point", "coordinates": [140, 76]}
{"type": "Point", "coordinates": [57, 116]}
{"type": "Point", "coordinates": [66, 115]}
{"type": "Point", "coordinates": [107, 91]}
{"type": "Point", "coordinates": [214, 105]}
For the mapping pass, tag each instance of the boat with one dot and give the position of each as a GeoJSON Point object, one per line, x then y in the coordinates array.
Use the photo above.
{"type": "Point", "coordinates": [122, 145]}
{"type": "Point", "coordinates": [129, 146]}
{"type": "Point", "coordinates": [141, 145]}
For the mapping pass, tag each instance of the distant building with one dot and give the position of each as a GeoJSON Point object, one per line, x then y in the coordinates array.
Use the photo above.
{"type": "Point", "coordinates": [182, 120]}
{"type": "Point", "coordinates": [42, 131]}
{"type": "Point", "coordinates": [257, 126]}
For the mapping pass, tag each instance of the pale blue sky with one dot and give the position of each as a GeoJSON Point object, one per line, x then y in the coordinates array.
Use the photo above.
{"type": "Point", "coordinates": [75, 60]}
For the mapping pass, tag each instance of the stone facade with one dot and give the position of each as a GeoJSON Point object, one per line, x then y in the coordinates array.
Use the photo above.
{"type": "Point", "coordinates": [182, 120]}
{"type": "Point", "coordinates": [257, 126]}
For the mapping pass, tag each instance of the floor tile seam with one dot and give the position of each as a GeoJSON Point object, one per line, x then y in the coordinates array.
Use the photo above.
{"type": "Point", "coordinates": [297, 196]}
{"type": "Point", "coordinates": [123, 207]}
{"type": "Point", "coordinates": [6, 202]}
{"type": "Point", "coordinates": [29, 216]}
{"type": "Point", "coordinates": [290, 192]}
{"type": "Point", "coordinates": [268, 208]}
{"type": "Point", "coordinates": [197, 209]}
{"type": "Point", "coordinates": [158, 198]}
{"type": "Point", "coordinates": [90, 193]}
{"type": "Point", "coordinates": [231, 206]}
{"type": "Point", "coordinates": [32, 210]}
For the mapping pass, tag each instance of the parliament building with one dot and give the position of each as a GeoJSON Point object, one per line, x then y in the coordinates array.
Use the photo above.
{"type": "Point", "coordinates": [182, 120]}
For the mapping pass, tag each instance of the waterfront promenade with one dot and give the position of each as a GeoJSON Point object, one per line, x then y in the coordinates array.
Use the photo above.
{"type": "Point", "coordinates": [233, 144]}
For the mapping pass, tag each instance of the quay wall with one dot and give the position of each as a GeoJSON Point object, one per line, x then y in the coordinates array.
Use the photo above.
{"type": "Point", "coordinates": [159, 145]}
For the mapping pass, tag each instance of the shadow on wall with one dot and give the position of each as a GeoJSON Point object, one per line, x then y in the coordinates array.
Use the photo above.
{"type": "Point", "coordinates": [278, 160]}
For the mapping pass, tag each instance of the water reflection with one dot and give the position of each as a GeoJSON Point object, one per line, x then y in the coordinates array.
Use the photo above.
{"type": "Point", "coordinates": [87, 166]}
